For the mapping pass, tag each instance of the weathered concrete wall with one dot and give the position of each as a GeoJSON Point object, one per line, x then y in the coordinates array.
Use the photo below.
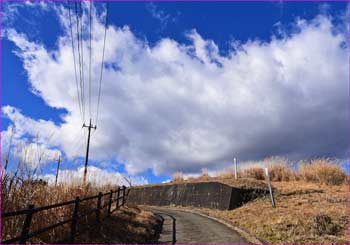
{"type": "Point", "coordinates": [204, 194]}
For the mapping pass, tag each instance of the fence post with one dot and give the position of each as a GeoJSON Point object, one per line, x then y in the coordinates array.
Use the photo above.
{"type": "Point", "coordinates": [26, 225]}
{"type": "Point", "coordinates": [98, 207]}
{"type": "Point", "coordinates": [74, 219]}
{"type": "Point", "coordinates": [124, 187]}
{"type": "Point", "coordinates": [270, 188]}
{"type": "Point", "coordinates": [174, 230]}
{"type": "Point", "coordinates": [110, 202]}
{"type": "Point", "coordinates": [118, 196]}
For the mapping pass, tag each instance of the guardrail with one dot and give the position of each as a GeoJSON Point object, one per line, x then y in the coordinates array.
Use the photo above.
{"type": "Point", "coordinates": [173, 225]}
{"type": "Point", "coordinates": [121, 194]}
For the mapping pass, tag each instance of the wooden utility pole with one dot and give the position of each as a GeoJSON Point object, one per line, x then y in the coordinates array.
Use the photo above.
{"type": "Point", "coordinates": [58, 168]}
{"type": "Point", "coordinates": [87, 148]}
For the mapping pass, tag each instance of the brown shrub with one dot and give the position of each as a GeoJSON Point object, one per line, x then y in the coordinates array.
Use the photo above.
{"type": "Point", "coordinates": [323, 225]}
{"type": "Point", "coordinates": [323, 171]}
{"type": "Point", "coordinates": [282, 173]}
{"type": "Point", "coordinates": [255, 173]}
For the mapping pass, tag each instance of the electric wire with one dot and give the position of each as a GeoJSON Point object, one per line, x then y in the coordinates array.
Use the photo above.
{"type": "Point", "coordinates": [75, 66]}
{"type": "Point", "coordinates": [80, 79]}
{"type": "Point", "coordinates": [102, 65]}
{"type": "Point", "coordinates": [90, 59]}
{"type": "Point", "coordinates": [80, 70]}
{"type": "Point", "coordinates": [82, 49]}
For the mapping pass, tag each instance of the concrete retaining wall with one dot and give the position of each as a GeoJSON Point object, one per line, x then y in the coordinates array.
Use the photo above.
{"type": "Point", "coordinates": [204, 194]}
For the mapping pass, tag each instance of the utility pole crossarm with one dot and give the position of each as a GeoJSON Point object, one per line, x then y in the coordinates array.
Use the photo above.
{"type": "Point", "coordinates": [90, 126]}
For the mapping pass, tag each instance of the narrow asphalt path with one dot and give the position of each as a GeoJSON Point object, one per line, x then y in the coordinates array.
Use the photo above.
{"type": "Point", "coordinates": [194, 228]}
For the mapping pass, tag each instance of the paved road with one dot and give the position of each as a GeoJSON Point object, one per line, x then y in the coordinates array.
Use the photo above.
{"type": "Point", "coordinates": [194, 228]}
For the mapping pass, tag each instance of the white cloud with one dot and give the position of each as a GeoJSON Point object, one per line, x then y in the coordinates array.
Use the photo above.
{"type": "Point", "coordinates": [160, 15]}
{"type": "Point", "coordinates": [10, 10]}
{"type": "Point", "coordinates": [45, 133]}
{"type": "Point", "coordinates": [176, 107]}
{"type": "Point", "coordinates": [95, 176]}
{"type": "Point", "coordinates": [33, 150]}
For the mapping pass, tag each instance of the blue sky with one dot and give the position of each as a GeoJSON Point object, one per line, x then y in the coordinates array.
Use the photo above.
{"type": "Point", "coordinates": [225, 26]}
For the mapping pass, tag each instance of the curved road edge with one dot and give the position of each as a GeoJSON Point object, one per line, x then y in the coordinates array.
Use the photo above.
{"type": "Point", "coordinates": [249, 237]}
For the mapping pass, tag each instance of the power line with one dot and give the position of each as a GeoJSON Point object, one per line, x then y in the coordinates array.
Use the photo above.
{"type": "Point", "coordinates": [82, 49]}
{"type": "Point", "coordinates": [80, 40]}
{"type": "Point", "coordinates": [75, 66]}
{"type": "Point", "coordinates": [90, 59]}
{"type": "Point", "coordinates": [103, 55]}
{"type": "Point", "coordinates": [80, 66]}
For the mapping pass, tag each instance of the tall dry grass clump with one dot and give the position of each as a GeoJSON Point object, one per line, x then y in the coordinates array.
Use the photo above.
{"type": "Point", "coordinates": [280, 169]}
{"type": "Point", "coordinates": [204, 175]}
{"type": "Point", "coordinates": [322, 170]}
{"type": "Point", "coordinates": [178, 177]}
{"type": "Point", "coordinates": [18, 193]}
{"type": "Point", "coordinates": [282, 173]}
{"type": "Point", "coordinates": [254, 173]}
{"type": "Point", "coordinates": [22, 186]}
{"type": "Point", "coordinates": [226, 174]}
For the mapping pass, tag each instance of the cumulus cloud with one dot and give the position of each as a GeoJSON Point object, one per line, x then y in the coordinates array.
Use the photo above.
{"type": "Point", "coordinates": [183, 107]}
{"type": "Point", "coordinates": [25, 130]}
{"type": "Point", "coordinates": [27, 145]}
{"type": "Point", "coordinates": [10, 10]}
{"type": "Point", "coordinates": [95, 176]}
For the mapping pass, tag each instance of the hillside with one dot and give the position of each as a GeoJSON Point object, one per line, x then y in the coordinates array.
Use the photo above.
{"type": "Point", "coordinates": [305, 213]}
{"type": "Point", "coordinates": [311, 203]}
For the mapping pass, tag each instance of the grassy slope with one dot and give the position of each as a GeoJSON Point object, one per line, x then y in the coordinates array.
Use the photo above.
{"type": "Point", "coordinates": [311, 202]}
{"type": "Point", "coordinates": [127, 225]}
{"type": "Point", "coordinates": [293, 221]}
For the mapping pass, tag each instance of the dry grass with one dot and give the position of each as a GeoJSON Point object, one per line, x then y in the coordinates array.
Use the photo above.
{"type": "Point", "coordinates": [311, 202]}
{"type": "Point", "coordinates": [18, 193]}
{"type": "Point", "coordinates": [126, 225]}
{"type": "Point", "coordinates": [321, 171]}
{"type": "Point", "coordinates": [282, 172]}
{"type": "Point", "coordinates": [254, 173]}
{"type": "Point", "coordinates": [204, 176]}
{"type": "Point", "coordinates": [306, 213]}
{"type": "Point", "coordinates": [22, 189]}
{"type": "Point", "coordinates": [178, 177]}
{"type": "Point", "coordinates": [245, 183]}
